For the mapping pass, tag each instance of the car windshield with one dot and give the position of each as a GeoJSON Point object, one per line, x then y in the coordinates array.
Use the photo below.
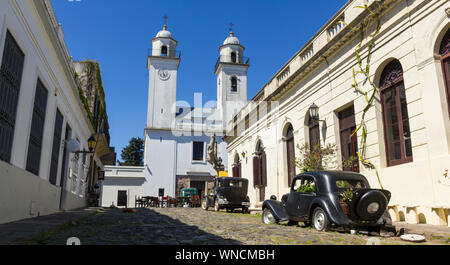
{"type": "Point", "coordinates": [345, 184]}
{"type": "Point", "coordinates": [233, 183]}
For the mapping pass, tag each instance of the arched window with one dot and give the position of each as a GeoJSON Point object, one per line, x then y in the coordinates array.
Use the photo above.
{"type": "Point", "coordinates": [164, 51]}
{"type": "Point", "coordinates": [397, 132]}
{"type": "Point", "coordinates": [234, 84]}
{"type": "Point", "coordinates": [444, 51]}
{"type": "Point", "coordinates": [233, 57]}
{"type": "Point", "coordinates": [290, 153]}
{"type": "Point", "coordinates": [260, 170]}
{"type": "Point", "coordinates": [237, 168]}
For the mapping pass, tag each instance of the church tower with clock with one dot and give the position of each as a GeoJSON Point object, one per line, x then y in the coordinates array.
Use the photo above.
{"type": "Point", "coordinates": [163, 63]}
{"type": "Point", "coordinates": [177, 137]}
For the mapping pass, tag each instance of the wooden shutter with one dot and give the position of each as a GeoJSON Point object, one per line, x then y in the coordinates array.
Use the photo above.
{"type": "Point", "coordinates": [235, 171]}
{"type": "Point", "coordinates": [349, 144]}
{"type": "Point", "coordinates": [444, 51]}
{"type": "Point", "coordinates": [290, 148]}
{"type": "Point", "coordinates": [256, 172]}
{"type": "Point", "coordinates": [262, 193]}
{"type": "Point", "coordinates": [263, 170]}
{"type": "Point", "coordinates": [57, 135]}
{"type": "Point", "coordinates": [37, 129]}
{"type": "Point", "coordinates": [10, 80]}
{"type": "Point", "coordinates": [314, 136]}
{"type": "Point", "coordinates": [240, 170]}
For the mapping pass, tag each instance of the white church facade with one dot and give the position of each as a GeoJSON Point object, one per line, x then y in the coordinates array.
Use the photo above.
{"type": "Point", "coordinates": [177, 135]}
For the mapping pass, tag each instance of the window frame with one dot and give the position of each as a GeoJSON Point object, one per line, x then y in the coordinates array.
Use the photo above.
{"type": "Point", "coordinates": [56, 147]}
{"type": "Point", "coordinates": [445, 60]}
{"type": "Point", "coordinates": [34, 159]}
{"type": "Point", "coordinates": [404, 159]}
{"type": "Point", "coordinates": [6, 153]}
{"type": "Point", "coordinates": [289, 139]}
{"type": "Point", "coordinates": [234, 84]}
{"type": "Point", "coordinates": [194, 153]}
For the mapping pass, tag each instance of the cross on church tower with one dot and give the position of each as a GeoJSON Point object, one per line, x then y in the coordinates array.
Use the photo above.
{"type": "Point", "coordinates": [165, 19]}
{"type": "Point", "coordinates": [231, 26]}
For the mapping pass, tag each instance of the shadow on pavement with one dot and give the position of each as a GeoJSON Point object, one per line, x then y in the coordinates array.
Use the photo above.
{"type": "Point", "coordinates": [115, 227]}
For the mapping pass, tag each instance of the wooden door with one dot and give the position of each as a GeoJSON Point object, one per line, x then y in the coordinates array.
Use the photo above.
{"type": "Point", "coordinates": [349, 143]}
{"type": "Point", "coordinates": [290, 147]}
{"type": "Point", "coordinates": [122, 198]}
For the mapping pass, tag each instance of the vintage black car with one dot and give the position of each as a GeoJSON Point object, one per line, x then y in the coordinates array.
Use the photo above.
{"type": "Point", "coordinates": [228, 193]}
{"type": "Point", "coordinates": [317, 199]}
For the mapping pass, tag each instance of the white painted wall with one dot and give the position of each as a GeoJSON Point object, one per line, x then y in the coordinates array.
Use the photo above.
{"type": "Point", "coordinates": [46, 58]}
{"type": "Point", "coordinates": [168, 156]}
{"type": "Point", "coordinates": [415, 186]}
{"type": "Point", "coordinates": [130, 179]}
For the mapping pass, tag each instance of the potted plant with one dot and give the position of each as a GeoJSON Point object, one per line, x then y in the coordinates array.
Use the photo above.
{"type": "Point", "coordinates": [345, 200]}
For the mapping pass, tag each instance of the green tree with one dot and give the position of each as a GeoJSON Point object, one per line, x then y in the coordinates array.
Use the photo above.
{"type": "Point", "coordinates": [133, 154]}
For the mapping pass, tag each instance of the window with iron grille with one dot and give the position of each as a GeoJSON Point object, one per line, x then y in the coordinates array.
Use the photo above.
{"type": "Point", "coordinates": [10, 80]}
{"type": "Point", "coordinates": [37, 129]}
{"type": "Point", "coordinates": [56, 147]}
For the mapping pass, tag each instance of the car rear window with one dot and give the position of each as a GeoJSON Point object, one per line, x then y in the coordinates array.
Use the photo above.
{"type": "Point", "coordinates": [236, 183]}
{"type": "Point", "coordinates": [350, 184]}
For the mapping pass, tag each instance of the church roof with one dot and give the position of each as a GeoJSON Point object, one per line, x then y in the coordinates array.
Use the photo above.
{"type": "Point", "coordinates": [231, 40]}
{"type": "Point", "coordinates": [164, 33]}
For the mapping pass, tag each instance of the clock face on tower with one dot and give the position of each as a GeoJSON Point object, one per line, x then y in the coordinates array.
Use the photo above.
{"type": "Point", "coordinates": [164, 75]}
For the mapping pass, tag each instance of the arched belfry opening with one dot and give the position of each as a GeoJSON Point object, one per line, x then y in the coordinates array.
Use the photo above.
{"type": "Point", "coordinates": [233, 57]}
{"type": "Point", "coordinates": [234, 85]}
{"type": "Point", "coordinates": [164, 51]}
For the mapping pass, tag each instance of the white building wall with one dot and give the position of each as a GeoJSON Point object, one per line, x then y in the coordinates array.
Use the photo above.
{"type": "Point", "coordinates": [160, 159]}
{"type": "Point", "coordinates": [45, 58]}
{"type": "Point", "coordinates": [176, 154]}
{"type": "Point", "coordinates": [415, 186]}
{"type": "Point", "coordinates": [130, 179]}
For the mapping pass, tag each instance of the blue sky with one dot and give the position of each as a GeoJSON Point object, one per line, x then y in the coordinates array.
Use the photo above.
{"type": "Point", "coordinates": [117, 33]}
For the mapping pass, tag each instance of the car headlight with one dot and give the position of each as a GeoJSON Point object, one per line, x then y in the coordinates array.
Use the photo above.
{"type": "Point", "coordinates": [373, 207]}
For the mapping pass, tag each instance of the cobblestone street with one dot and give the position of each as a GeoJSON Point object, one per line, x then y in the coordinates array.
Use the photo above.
{"type": "Point", "coordinates": [185, 226]}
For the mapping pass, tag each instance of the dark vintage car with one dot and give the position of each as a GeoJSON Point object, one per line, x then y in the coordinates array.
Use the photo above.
{"type": "Point", "coordinates": [316, 198]}
{"type": "Point", "coordinates": [228, 193]}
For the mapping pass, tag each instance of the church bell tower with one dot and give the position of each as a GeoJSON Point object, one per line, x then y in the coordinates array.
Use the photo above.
{"type": "Point", "coordinates": [163, 62]}
{"type": "Point", "coordinates": [231, 71]}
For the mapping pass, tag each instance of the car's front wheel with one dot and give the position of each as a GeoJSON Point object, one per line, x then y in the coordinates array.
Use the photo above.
{"type": "Point", "coordinates": [320, 220]}
{"type": "Point", "coordinates": [268, 218]}
{"type": "Point", "coordinates": [216, 206]}
{"type": "Point", "coordinates": [205, 205]}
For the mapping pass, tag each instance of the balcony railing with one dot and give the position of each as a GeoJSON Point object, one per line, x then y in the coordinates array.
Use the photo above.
{"type": "Point", "coordinates": [231, 60]}
{"type": "Point", "coordinates": [170, 53]}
